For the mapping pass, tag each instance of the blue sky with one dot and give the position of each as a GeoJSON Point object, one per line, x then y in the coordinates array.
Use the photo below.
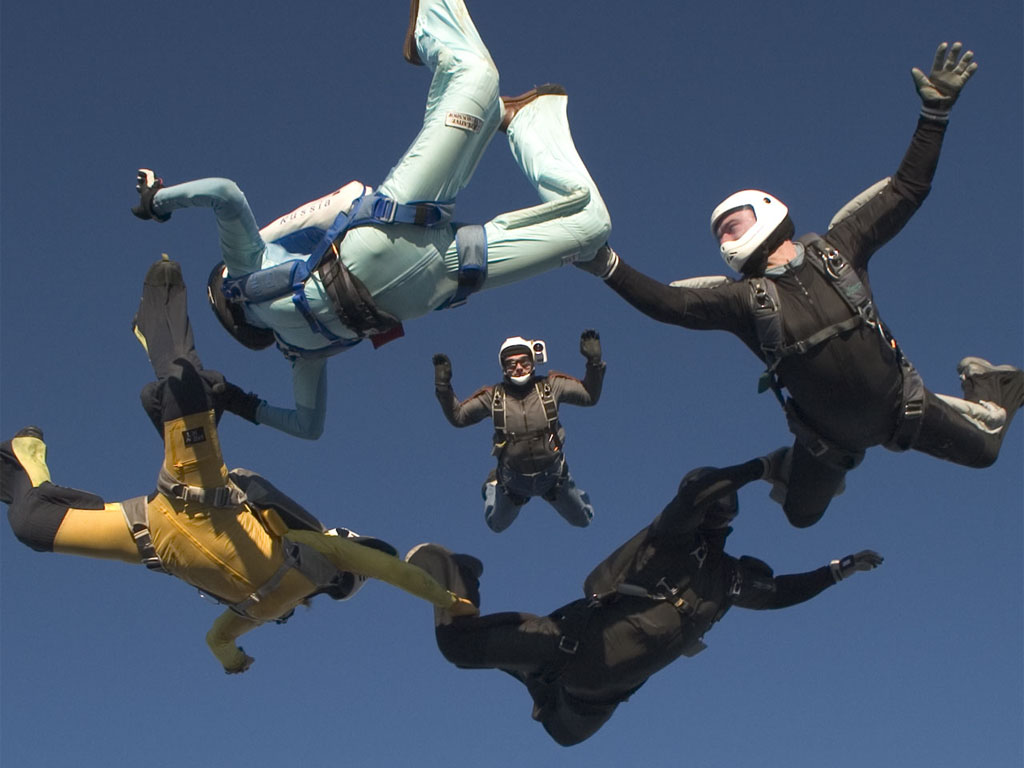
{"type": "Point", "coordinates": [673, 107]}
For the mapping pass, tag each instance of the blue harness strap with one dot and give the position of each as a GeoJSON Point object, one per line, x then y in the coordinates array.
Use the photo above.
{"type": "Point", "coordinates": [471, 246]}
{"type": "Point", "coordinates": [378, 209]}
{"type": "Point", "coordinates": [290, 277]}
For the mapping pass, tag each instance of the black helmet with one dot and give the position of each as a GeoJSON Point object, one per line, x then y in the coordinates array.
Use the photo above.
{"type": "Point", "coordinates": [231, 314]}
{"type": "Point", "coordinates": [724, 509]}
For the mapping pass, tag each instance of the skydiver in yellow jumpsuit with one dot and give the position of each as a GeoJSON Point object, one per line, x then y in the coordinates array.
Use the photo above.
{"type": "Point", "coordinates": [201, 524]}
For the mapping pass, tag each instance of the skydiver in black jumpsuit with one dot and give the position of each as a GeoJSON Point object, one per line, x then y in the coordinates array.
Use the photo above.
{"type": "Point", "coordinates": [646, 605]}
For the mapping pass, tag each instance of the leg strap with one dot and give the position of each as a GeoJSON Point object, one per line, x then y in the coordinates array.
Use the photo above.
{"type": "Point", "coordinates": [138, 523]}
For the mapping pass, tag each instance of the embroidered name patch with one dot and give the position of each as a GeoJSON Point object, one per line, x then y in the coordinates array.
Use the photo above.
{"type": "Point", "coordinates": [461, 120]}
{"type": "Point", "coordinates": [193, 436]}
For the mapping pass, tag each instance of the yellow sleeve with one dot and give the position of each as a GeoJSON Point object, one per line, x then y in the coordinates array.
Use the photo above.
{"type": "Point", "coordinates": [228, 627]}
{"type": "Point", "coordinates": [346, 555]}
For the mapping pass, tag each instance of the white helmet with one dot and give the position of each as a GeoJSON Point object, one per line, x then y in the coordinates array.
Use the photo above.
{"type": "Point", "coordinates": [517, 345]}
{"type": "Point", "coordinates": [772, 226]}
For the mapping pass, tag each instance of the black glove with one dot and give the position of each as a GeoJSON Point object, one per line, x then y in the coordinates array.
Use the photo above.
{"type": "Point", "coordinates": [238, 401]}
{"type": "Point", "coordinates": [147, 184]}
{"type": "Point", "coordinates": [442, 371]}
{"type": "Point", "coordinates": [590, 346]}
{"type": "Point", "coordinates": [941, 87]}
{"type": "Point", "coordinates": [603, 264]}
{"type": "Point", "coordinates": [865, 560]}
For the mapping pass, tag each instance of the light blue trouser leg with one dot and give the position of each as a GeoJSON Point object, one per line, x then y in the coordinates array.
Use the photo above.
{"type": "Point", "coordinates": [499, 510]}
{"type": "Point", "coordinates": [463, 107]}
{"type": "Point", "coordinates": [573, 504]}
{"type": "Point", "coordinates": [570, 224]}
{"type": "Point", "coordinates": [240, 241]}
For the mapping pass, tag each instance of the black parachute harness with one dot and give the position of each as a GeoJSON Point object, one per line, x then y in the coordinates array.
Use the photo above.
{"type": "Point", "coordinates": [503, 436]}
{"type": "Point", "coordinates": [767, 310]}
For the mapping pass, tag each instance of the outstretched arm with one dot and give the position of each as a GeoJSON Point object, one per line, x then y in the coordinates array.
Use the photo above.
{"type": "Point", "coordinates": [476, 407]}
{"type": "Point", "coordinates": [791, 589]}
{"type": "Point", "coordinates": [721, 307]}
{"type": "Point", "coordinates": [568, 389]}
{"type": "Point", "coordinates": [884, 215]}
{"type": "Point", "coordinates": [309, 382]}
{"type": "Point", "coordinates": [348, 555]}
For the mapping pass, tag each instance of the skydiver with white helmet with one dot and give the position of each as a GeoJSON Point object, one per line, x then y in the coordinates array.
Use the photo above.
{"type": "Point", "coordinates": [528, 436]}
{"type": "Point", "coordinates": [805, 308]}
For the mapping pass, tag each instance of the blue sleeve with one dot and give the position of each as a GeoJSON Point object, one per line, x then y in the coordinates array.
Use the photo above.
{"type": "Point", "coordinates": [309, 382]}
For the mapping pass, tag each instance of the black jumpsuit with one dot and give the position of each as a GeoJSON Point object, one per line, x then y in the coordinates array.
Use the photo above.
{"type": "Point", "coordinates": [848, 389]}
{"type": "Point", "coordinates": [586, 657]}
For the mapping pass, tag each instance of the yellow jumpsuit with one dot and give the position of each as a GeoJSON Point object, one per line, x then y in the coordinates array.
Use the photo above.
{"type": "Point", "coordinates": [229, 552]}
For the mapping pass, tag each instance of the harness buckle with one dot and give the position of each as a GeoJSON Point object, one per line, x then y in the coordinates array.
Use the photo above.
{"type": "Point", "coordinates": [568, 645]}
{"type": "Point", "coordinates": [834, 263]}
{"type": "Point", "coordinates": [913, 409]}
{"type": "Point", "coordinates": [384, 209]}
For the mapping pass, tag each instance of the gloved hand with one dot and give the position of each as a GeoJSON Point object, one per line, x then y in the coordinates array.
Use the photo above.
{"type": "Point", "coordinates": [236, 400]}
{"type": "Point", "coordinates": [590, 346]}
{"type": "Point", "coordinates": [244, 665]}
{"type": "Point", "coordinates": [940, 88]}
{"type": "Point", "coordinates": [442, 371]}
{"type": "Point", "coordinates": [147, 184]}
{"type": "Point", "coordinates": [865, 560]}
{"type": "Point", "coordinates": [603, 264]}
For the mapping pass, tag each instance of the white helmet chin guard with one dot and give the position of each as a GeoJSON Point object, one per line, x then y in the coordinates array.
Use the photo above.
{"type": "Point", "coordinates": [771, 227]}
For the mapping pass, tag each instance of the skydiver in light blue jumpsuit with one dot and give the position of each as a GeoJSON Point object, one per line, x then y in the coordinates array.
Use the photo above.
{"type": "Point", "coordinates": [408, 269]}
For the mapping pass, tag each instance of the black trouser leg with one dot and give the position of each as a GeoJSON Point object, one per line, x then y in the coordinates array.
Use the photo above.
{"type": "Point", "coordinates": [182, 387]}
{"type": "Point", "coordinates": [812, 484]}
{"type": "Point", "coordinates": [946, 434]}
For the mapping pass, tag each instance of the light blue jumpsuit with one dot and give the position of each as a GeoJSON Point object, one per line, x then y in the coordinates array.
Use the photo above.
{"type": "Point", "coordinates": [411, 270]}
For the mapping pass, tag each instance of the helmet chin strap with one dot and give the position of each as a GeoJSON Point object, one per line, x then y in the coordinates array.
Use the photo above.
{"type": "Point", "coordinates": [520, 380]}
{"type": "Point", "coordinates": [755, 265]}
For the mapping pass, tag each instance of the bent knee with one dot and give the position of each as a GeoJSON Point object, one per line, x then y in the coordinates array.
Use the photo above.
{"type": "Point", "coordinates": [595, 226]}
{"type": "Point", "coordinates": [35, 519]}
{"type": "Point", "coordinates": [802, 517]}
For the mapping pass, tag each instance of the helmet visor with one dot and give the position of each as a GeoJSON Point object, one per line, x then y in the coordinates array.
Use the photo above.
{"type": "Point", "coordinates": [734, 223]}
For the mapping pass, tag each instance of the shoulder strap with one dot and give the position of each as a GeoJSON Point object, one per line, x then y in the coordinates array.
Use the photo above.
{"type": "Point", "coordinates": [547, 399]}
{"type": "Point", "coordinates": [841, 275]}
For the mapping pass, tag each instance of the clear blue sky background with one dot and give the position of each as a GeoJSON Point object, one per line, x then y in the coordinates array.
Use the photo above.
{"type": "Point", "coordinates": [673, 106]}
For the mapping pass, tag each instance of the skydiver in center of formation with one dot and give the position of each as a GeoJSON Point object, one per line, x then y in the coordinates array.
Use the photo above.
{"type": "Point", "coordinates": [650, 602]}
{"type": "Point", "coordinates": [232, 535]}
{"type": "Point", "coordinates": [528, 436]}
{"type": "Point", "coordinates": [805, 308]}
{"type": "Point", "coordinates": [358, 262]}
